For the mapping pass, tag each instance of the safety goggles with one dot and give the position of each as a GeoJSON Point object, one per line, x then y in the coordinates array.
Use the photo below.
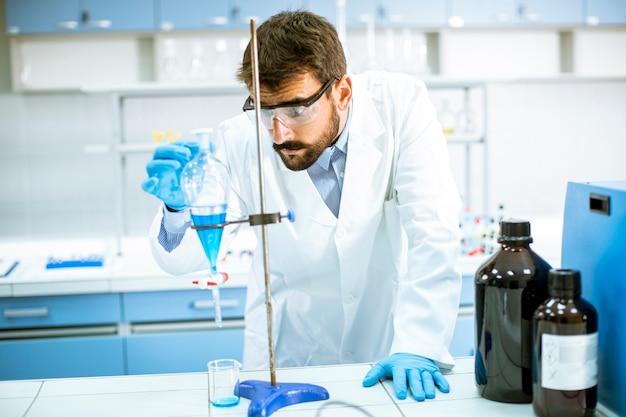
{"type": "Point", "coordinates": [290, 114]}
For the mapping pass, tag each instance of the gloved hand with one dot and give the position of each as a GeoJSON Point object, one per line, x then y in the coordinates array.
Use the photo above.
{"type": "Point", "coordinates": [422, 374]}
{"type": "Point", "coordinates": [164, 172]}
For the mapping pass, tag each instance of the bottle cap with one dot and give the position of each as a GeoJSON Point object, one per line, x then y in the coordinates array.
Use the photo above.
{"type": "Point", "coordinates": [515, 230]}
{"type": "Point", "coordinates": [567, 280]}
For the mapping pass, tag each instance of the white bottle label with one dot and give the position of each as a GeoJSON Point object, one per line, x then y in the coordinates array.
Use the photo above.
{"type": "Point", "coordinates": [569, 363]}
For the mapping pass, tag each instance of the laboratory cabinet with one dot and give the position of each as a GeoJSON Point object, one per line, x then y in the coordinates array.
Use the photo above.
{"type": "Point", "coordinates": [605, 12]}
{"type": "Point", "coordinates": [388, 13]}
{"type": "Point", "coordinates": [64, 336]}
{"type": "Point", "coordinates": [502, 13]}
{"type": "Point", "coordinates": [118, 333]}
{"type": "Point", "coordinates": [62, 16]}
{"type": "Point", "coordinates": [176, 331]}
{"type": "Point", "coordinates": [218, 14]}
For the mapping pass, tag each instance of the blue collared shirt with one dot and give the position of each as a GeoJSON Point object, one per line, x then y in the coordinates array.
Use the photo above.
{"type": "Point", "coordinates": [327, 172]}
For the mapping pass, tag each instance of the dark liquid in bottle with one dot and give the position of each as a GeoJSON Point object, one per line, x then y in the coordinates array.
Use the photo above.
{"type": "Point", "coordinates": [508, 289]}
{"type": "Point", "coordinates": [565, 345]}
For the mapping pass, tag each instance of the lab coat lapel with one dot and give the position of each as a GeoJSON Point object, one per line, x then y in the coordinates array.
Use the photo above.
{"type": "Point", "coordinates": [365, 184]}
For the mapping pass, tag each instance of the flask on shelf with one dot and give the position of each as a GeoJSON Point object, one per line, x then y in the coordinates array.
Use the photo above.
{"type": "Point", "coordinates": [446, 118]}
{"type": "Point", "coordinates": [509, 287]}
{"type": "Point", "coordinates": [197, 69]}
{"type": "Point", "coordinates": [170, 69]}
{"type": "Point", "coordinates": [565, 343]}
{"type": "Point", "coordinates": [466, 119]}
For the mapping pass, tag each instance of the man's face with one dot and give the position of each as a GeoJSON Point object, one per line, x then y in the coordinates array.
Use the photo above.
{"type": "Point", "coordinates": [299, 146]}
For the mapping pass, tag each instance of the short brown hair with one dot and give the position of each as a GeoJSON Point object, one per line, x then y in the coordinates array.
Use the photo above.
{"type": "Point", "coordinates": [291, 43]}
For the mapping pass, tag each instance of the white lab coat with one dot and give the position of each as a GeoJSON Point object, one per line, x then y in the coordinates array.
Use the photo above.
{"type": "Point", "coordinates": [379, 279]}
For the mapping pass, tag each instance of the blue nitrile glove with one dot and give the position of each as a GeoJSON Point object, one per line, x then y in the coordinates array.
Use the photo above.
{"type": "Point", "coordinates": [422, 374]}
{"type": "Point", "coordinates": [164, 172]}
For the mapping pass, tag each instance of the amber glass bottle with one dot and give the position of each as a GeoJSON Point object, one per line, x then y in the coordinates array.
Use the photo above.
{"type": "Point", "coordinates": [565, 342]}
{"type": "Point", "coordinates": [509, 287]}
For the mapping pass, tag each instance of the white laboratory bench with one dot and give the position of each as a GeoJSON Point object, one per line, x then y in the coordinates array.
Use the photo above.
{"type": "Point", "coordinates": [186, 394]}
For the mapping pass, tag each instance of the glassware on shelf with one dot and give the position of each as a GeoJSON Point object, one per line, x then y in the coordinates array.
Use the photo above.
{"type": "Point", "coordinates": [197, 68]}
{"type": "Point", "coordinates": [447, 118]}
{"type": "Point", "coordinates": [466, 119]}
{"type": "Point", "coordinates": [206, 184]}
{"type": "Point", "coordinates": [170, 67]}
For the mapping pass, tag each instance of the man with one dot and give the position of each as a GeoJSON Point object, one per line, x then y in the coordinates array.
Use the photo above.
{"type": "Point", "coordinates": [367, 271]}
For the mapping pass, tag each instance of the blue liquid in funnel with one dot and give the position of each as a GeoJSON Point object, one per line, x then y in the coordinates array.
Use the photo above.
{"type": "Point", "coordinates": [210, 238]}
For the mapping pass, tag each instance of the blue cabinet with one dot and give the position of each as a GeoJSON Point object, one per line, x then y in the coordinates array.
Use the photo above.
{"type": "Point", "coordinates": [415, 13]}
{"type": "Point", "coordinates": [58, 16]}
{"type": "Point", "coordinates": [218, 14]}
{"type": "Point", "coordinates": [117, 334]}
{"type": "Point", "coordinates": [494, 13]}
{"type": "Point", "coordinates": [605, 12]}
{"type": "Point", "coordinates": [182, 351]}
{"type": "Point", "coordinates": [161, 306]}
{"type": "Point", "coordinates": [194, 14]}
{"type": "Point", "coordinates": [61, 357]}
{"type": "Point", "coordinates": [174, 331]}
{"type": "Point", "coordinates": [65, 336]}
{"type": "Point", "coordinates": [67, 310]}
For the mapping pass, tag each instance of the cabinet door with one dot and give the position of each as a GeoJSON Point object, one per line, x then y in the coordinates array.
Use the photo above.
{"type": "Point", "coordinates": [244, 10]}
{"type": "Point", "coordinates": [61, 357]}
{"type": "Point", "coordinates": [51, 16]}
{"type": "Point", "coordinates": [606, 12]}
{"type": "Point", "coordinates": [402, 13]}
{"type": "Point", "coordinates": [194, 14]}
{"type": "Point", "coordinates": [55, 311]}
{"type": "Point", "coordinates": [486, 13]}
{"type": "Point", "coordinates": [551, 12]}
{"type": "Point", "coordinates": [167, 306]}
{"type": "Point", "coordinates": [117, 15]}
{"type": "Point", "coordinates": [182, 351]}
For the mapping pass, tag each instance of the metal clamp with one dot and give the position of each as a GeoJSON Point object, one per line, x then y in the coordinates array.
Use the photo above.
{"type": "Point", "coordinates": [253, 220]}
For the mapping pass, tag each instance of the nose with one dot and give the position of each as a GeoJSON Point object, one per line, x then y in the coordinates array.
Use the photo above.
{"type": "Point", "coordinates": [280, 132]}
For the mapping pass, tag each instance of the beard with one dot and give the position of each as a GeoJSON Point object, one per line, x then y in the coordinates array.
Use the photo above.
{"type": "Point", "coordinates": [310, 153]}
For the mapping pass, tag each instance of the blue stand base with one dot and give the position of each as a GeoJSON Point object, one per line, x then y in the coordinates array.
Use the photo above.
{"type": "Point", "coordinates": [265, 398]}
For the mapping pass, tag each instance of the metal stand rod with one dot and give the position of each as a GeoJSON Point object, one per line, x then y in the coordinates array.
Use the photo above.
{"type": "Point", "coordinates": [266, 259]}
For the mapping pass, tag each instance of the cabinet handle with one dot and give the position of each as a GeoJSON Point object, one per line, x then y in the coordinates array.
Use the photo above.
{"type": "Point", "coordinates": [217, 20]}
{"type": "Point", "coordinates": [100, 24]}
{"type": "Point", "coordinates": [14, 313]}
{"type": "Point", "coordinates": [67, 24]}
{"type": "Point", "coordinates": [208, 304]}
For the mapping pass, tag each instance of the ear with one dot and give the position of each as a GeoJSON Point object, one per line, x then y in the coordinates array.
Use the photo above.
{"type": "Point", "coordinates": [344, 90]}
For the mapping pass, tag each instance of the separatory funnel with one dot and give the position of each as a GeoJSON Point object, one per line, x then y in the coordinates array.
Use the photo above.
{"type": "Point", "coordinates": [205, 183]}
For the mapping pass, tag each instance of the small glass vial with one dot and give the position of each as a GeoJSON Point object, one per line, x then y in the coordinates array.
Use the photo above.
{"type": "Point", "coordinates": [565, 349]}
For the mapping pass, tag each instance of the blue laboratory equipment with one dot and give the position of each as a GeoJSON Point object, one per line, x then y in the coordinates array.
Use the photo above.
{"type": "Point", "coordinates": [205, 183]}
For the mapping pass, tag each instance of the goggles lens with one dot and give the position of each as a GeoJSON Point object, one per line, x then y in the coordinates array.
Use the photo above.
{"type": "Point", "coordinates": [290, 115]}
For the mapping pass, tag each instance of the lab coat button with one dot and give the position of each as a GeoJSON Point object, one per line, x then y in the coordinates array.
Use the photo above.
{"type": "Point", "coordinates": [348, 299]}
{"type": "Point", "coordinates": [347, 354]}
{"type": "Point", "coordinates": [341, 232]}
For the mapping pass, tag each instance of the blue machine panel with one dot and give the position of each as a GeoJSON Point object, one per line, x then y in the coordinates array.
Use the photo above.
{"type": "Point", "coordinates": [594, 242]}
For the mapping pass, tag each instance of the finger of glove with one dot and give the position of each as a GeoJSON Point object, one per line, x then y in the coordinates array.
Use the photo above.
{"type": "Point", "coordinates": [193, 147]}
{"type": "Point", "coordinates": [373, 375]}
{"type": "Point", "coordinates": [416, 385]}
{"type": "Point", "coordinates": [441, 382]}
{"type": "Point", "coordinates": [150, 185]}
{"type": "Point", "coordinates": [428, 383]}
{"type": "Point", "coordinates": [174, 151]}
{"type": "Point", "coordinates": [159, 166]}
{"type": "Point", "coordinates": [399, 382]}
